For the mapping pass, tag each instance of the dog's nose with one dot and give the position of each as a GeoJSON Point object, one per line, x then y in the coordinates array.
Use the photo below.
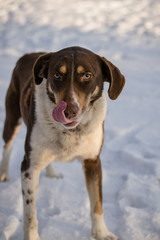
{"type": "Point", "coordinates": [71, 110]}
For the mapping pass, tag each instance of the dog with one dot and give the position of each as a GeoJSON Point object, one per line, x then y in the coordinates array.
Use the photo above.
{"type": "Point", "coordinates": [60, 97]}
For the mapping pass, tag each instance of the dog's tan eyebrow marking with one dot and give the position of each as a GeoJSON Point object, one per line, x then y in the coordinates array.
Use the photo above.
{"type": "Point", "coordinates": [80, 69]}
{"type": "Point", "coordinates": [63, 69]}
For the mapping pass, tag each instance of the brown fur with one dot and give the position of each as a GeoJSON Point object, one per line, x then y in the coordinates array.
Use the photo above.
{"type": "Point", "coordinates": [93, 175]}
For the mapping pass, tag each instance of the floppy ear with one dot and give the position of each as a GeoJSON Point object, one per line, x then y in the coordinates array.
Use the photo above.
{"type": "Point", "coordinates": [40, 68]}
{"type": "Point", "coordinates": [112, 75]}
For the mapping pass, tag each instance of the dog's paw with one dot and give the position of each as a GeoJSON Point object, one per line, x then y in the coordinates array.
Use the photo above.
{"type": "Point", "coordinates": [99, 229]}
{"type": "Point", "coordinates": [51, 173]}
{"type": "Point", "coordinates": [31, 235]}
{"type": "Point", "coordinates": [35, 238]}
{"type": "Point", "coordinates": [3, 176]}
{"type": "Point", "coordinates": [54, 175]}
{"type": "Point", "coordinates": [104, 236]}
{"type": "Point", "coordinates": [111, 236]}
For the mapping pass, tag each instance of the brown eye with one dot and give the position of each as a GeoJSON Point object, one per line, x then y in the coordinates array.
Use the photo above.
{"type": "Point", "coordinates": [86, 77]}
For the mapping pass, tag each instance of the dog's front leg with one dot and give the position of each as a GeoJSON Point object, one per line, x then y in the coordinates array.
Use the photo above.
{"type": "Point", "coordinates": [93, 176]}
{"type": "Point", "coordinates": [30, 180]}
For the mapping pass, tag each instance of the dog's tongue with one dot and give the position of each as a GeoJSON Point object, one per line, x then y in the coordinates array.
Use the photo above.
{"type": "Point", "coordinates": [58, 113]}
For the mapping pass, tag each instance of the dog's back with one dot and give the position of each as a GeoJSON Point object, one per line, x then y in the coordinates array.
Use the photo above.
{"type": "Point", "coordinates": [21, 89]}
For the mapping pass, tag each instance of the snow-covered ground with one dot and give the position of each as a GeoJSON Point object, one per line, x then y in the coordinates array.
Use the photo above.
{"type": "Point", "coordinates": [127, 32]}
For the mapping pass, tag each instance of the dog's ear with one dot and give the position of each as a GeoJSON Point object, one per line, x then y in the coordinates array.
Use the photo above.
{"type": "Point", "coordinates": [40, 68]}
{"type": "Point", "coordinates": [112, 75]}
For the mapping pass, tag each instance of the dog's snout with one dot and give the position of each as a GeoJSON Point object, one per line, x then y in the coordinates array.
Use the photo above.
{"type": "Point", "coordinates": [71, 110]}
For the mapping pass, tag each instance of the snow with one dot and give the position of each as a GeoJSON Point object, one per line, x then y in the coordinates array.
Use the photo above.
{"type": "Point", "coordinates": [127, 32]}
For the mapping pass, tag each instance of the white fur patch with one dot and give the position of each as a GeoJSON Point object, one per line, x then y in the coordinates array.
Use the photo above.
{"type": "Point", "coordinates": [5, 163]}
{"type": "Point", "coordinates": [6, 154]}
{"type": "Point", "coordinates": [51, 173]}
{"type": "Point", "coordinates": [72, 92]}
{"type": "Point", "coordinates": [99, 229]}
{"type": "Point", "coordinates": [74, 97]}
{"type": "Point", "coordinates": [50, 89]}
{"type": "Point", "coordinates": [30, 180]}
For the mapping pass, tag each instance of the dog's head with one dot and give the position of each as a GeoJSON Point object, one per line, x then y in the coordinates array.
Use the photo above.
{"type": "Point", "coordinates": [75, 78]}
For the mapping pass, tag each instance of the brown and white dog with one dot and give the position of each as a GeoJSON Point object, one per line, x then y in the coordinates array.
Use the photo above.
{"type": "Point", "coordinates": [60, 98]}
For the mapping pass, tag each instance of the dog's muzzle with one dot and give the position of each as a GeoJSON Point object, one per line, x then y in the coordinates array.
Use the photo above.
{"type": "Point", "coordinates": [66, 114]}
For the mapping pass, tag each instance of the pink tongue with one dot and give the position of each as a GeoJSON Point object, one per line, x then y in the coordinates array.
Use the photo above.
{"type": "Point", "coordinates": [58, 113]}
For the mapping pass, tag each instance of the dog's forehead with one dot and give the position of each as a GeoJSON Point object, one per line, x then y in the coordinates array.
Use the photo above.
{"type": "Point", "coordinates": [79, 57]}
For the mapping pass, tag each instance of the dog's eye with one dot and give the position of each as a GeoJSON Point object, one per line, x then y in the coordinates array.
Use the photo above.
{"type": "Point", "coordinates": [57, 76]}
{"type": "Point", "coordinates": [86, 77]}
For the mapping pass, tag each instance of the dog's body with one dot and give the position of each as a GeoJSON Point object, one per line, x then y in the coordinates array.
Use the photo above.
{"type": "Point", "coordinates": [60, 98]}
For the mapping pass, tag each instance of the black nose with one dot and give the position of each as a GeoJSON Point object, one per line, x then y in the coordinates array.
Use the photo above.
{"type": "Point", "coordinates": [71, 110]}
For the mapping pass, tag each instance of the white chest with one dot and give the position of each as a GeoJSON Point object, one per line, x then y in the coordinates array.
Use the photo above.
{"type": "Point", "coordinates": [63, 146]}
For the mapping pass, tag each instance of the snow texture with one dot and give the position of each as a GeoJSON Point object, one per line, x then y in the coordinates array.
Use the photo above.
{"type": "Point", "coordinates": [126, 32]}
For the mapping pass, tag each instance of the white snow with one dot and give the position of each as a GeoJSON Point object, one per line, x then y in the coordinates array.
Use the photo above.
{"type": "Point", "coordinates": [127, 32]}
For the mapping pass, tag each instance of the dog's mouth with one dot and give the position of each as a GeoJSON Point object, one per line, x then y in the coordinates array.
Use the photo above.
{"type": "Point", "coordinates": [58, 115]}
{"type": "Point", "coordinates": [71, 124]}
